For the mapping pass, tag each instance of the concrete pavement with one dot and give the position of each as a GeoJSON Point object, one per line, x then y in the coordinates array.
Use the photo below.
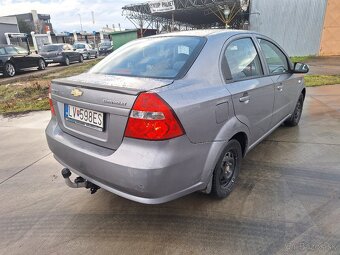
{"type": "Point", "coordinates": [287, 200]}
{"type": "Point", "coordinates": [324, 65]}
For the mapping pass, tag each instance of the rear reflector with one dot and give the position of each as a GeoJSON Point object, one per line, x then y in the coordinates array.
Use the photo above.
{"type": "Point", "coordinates": [50, 101]}
{"type": "Point", "coordinates": [152, 118]}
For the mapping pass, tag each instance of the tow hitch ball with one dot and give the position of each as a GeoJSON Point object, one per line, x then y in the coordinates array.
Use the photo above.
{"type": "Point", "coordinates": [79, 182]}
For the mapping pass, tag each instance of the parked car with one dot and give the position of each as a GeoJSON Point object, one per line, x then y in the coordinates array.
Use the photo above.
{"type": "Point", "coordinates": [86, 50]}
{"type": "Point", "coordinates": [62, 53]}
{"type": "Point", "coordinates": [171, 114]}
{"type": "Point", "coordinates": [14, 58]}
{"type": "Point", "coordinates": [105, 48]}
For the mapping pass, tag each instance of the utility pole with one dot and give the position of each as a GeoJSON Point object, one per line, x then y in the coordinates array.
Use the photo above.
{"type": "Point", "coordinates": [81, 24]}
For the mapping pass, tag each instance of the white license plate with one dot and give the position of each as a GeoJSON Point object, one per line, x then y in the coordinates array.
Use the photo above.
{"type": "Point", "coordinates": [48, 60]}
{"type": "Point", "coordinates": [84, 116]}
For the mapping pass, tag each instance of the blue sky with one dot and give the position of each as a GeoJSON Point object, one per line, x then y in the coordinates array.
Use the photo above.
{"type": "Point", "coordinates": [64, 13]}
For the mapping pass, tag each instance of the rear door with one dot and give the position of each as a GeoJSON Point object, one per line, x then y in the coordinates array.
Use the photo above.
{"type": "Point", "coordinates": [252, 92]}
{"type": "Point", "coordinates": [285, 83]}
{"type": "Point", "coordinates": [18, 59]}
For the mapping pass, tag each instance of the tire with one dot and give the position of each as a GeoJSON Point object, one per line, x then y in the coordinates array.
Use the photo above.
{"type": "Point", "coordinates": [96, 55]}
{"type": "Point", "coordinates": [295, 118]}
{"type": "Point", "coordinates": [9, 70]}
{"type": "Point", "coordinates": [81, 59]}
{"type": "Point", "coordinates": [41, 64]}
{"type": "Point", "coordinates": [67, 61]}
{"type": "Point", "coordinates": [227, 170]}
{"type": "Point", "coordinates": [88, 56]}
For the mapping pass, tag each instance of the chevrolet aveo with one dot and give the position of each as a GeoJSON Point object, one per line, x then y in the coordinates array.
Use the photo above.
{"type": "Point", "coordinates": [172, 114]}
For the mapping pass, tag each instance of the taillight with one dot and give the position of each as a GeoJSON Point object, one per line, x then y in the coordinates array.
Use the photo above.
{"type": "Point", "coordinates": [152, 118]}
{"type": "Point", "coordinates": [50, 101]}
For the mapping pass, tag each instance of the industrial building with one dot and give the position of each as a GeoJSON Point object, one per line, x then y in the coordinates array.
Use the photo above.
{"type": "Point", "coordinates": [33, 21]}
{"type": "Point", "coordinates": [302, 27]}
{"type": "Point", "coordinates": [7, 25]}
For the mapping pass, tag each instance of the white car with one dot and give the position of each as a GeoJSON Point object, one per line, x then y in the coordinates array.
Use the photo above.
{"type": "Point", "coordinates": [86, 50]}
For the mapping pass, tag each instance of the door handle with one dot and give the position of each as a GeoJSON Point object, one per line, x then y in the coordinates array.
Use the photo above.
{"type": "Point", "coordinates": [280, 87]}
{"type": "Point", "coordinates": [245, 99]}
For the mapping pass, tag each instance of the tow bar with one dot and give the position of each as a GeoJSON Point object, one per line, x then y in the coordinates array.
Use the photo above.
{"type": "Point", "coordinates": [79, 182]}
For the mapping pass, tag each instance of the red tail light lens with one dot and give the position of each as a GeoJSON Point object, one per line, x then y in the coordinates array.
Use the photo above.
{"type": "Point", "coordinates": [50, 101]}
{"type": "Point", "coordinates": [152, 118]}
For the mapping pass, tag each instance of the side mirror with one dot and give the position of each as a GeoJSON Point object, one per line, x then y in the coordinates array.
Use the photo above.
{"type": "Point", "coordinates": [74, 49]}
{"type": "Point", "coordinates": [300, 68]}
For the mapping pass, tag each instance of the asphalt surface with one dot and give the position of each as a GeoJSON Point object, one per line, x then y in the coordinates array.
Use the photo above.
{"type": "Point", "coordinates": [287, 200]}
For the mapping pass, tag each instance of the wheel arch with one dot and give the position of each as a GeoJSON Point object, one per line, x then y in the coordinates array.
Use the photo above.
{"type": "Point", "coordinates": [242, 138]}
{"type": "Point", "coordinates": [303, 91]}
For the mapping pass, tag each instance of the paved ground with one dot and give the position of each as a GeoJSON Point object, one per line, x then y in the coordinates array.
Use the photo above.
{"type": "Point", "coordinates": [324, 65]}
{"type": "Point", "coordinates": [287, 200]}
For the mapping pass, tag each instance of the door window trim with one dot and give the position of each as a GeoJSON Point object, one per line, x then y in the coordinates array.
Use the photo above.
{"type": "Point", "coordinates": [264, 57]}
{"type": "Point", "coordinates": [224, 66]}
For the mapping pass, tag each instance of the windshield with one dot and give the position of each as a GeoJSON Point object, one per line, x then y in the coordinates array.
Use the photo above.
{"type": "Point", "coordinates": [79, 46]}
{"type": "Point", "coordinates": [163, 57]}
{"type": "Point", "coordinates": [107, 44]}
{"type": "Point", "coordinates": [49, 48]}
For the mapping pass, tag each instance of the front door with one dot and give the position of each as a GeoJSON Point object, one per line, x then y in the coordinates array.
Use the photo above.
{"type": "Point", "coordinates": [285, 83]}
{"type": "Point", "coordinates": [252, 92]}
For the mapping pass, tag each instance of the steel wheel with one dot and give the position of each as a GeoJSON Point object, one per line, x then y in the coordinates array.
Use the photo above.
{"type": "Point", "coordinates": [227, 169]}
{"type": "Point", "coordinates": [298, 110]}
{"type": "Point", "coordinates": [9, 70]}
{"type": "Point", "coordinates": [295, 118]}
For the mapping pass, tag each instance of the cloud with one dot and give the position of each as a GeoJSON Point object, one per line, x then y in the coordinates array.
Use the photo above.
{"type": "Point", "coordinates": [65, 13]}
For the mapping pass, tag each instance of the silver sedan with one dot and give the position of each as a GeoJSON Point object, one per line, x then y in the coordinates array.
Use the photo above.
{"type": "Point", "coordinates": [172, 114]}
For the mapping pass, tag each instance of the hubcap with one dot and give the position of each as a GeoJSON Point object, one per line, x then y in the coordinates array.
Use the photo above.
{"type": "Point", "coordinates": [10, 70]}
{"type": "Point", "coordinates": [228, 165]}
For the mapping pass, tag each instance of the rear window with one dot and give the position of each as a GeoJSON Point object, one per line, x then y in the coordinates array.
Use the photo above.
{"type": "Point", "coordinates": [163, 57]}
{"type": "Point", "coordinates": [49, 48]}
{"type": "Point", "coordinates": [79, 46]}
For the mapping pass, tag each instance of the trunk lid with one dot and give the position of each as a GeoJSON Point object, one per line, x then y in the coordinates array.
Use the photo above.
{"type": "Point", "coordinates": [108, 94]}
{"type": "Point", "coordinates": [49, 54]}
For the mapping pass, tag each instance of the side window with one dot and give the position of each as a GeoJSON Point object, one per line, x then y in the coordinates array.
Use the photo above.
{"type": "Point", "coordinates": [2, 51]}
{"type": "Point", "coordinates": [275, 58]}
{"type": "Point", "coordinates": [243, 59]}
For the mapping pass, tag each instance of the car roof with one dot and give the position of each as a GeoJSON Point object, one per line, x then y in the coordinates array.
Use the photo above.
{"type": "Point", "coordinates": [206, 33]}
{"type": "Point", "coordinates": [58, 44]}
{"type": "Point", "coordinates": [5, 45]}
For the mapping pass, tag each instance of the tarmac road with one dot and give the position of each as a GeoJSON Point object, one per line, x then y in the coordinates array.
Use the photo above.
{"type": "Point", "coordinates": [287, 200]}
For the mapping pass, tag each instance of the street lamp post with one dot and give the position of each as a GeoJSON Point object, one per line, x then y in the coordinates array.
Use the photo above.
{"type": "Point", "coordinates": [81, 24]}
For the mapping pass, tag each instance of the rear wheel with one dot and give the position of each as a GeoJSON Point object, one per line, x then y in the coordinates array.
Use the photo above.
{"type": "Point", "coordinates": [67, 61]}
{"type": "Point", "coordinates": [227, 170]}
{"type": "Point", "coordinates": [81, 59]}
{"type": "Point", "coordinates": [41, 64]}
{"type": "Point", "coordinates": [295, 118]}
{"type": "Point", "coordinates": [96, 55]}
{"type": "Point", "coordinates": [9, 70]}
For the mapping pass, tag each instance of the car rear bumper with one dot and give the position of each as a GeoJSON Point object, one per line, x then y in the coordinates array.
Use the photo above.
{"type": "Point", "coordinates": [58, 59]}
{"type": "Point", "coordinates": [143, 171]}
